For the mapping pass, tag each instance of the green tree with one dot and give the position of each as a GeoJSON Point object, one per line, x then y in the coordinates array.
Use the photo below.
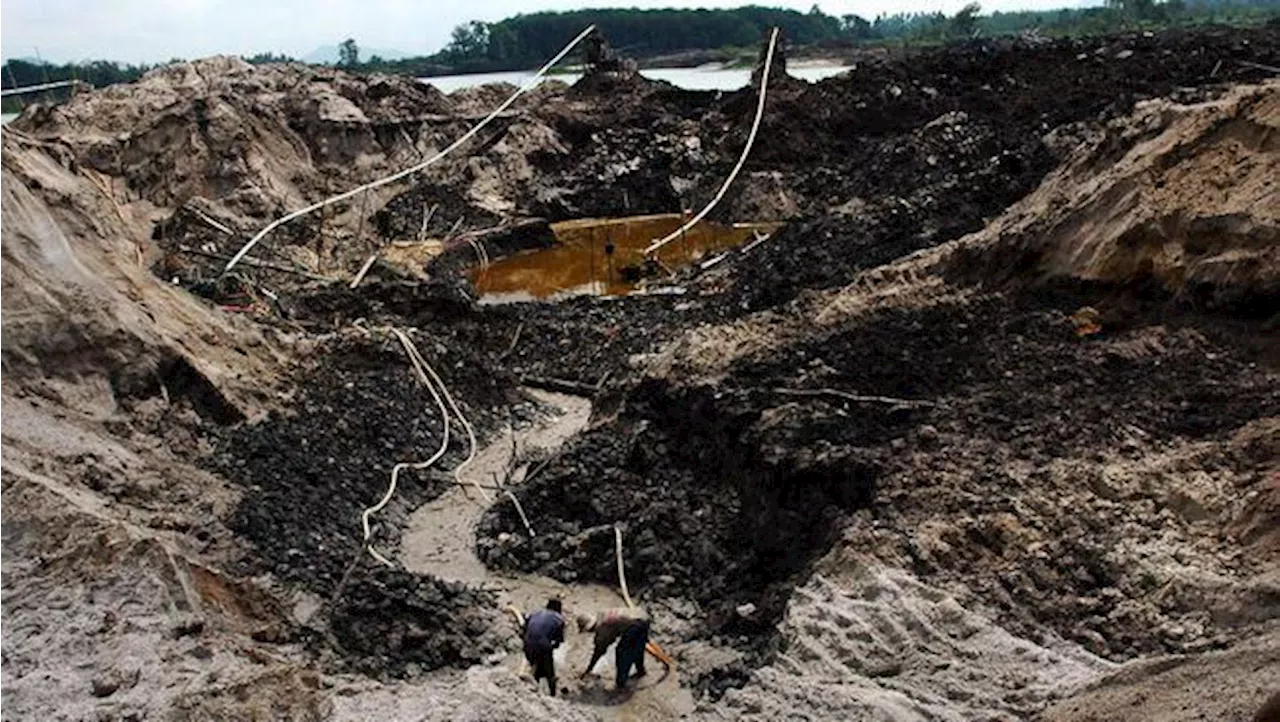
{"type": "Point", "coordinates": [528, 40]}
{"type": "Point", "coordinates": [965, 21]}
{"type": "Point", "coordinates": [348, 53]}
{"type": "Point", "coordinates": [262, 58]}
{"type": "Point", "coordinates": [856, 27]}
{"type": "Point", "coordinates": [1134, 9]}
{"type": "Point", "coordinates": [470, 40]}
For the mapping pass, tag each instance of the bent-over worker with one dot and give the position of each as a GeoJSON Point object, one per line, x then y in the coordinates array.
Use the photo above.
{"type": "Point", "coordinates": [630, 627]}
{"type": "Point", "coordinates": [543, 632]}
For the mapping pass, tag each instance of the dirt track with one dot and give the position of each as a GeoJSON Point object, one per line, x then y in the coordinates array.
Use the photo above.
{"type": "Point", "coordinates": [875, 468]}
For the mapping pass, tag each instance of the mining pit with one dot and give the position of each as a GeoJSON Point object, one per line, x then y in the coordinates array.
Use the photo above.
{"type": "Point", "coordinates": [606, 257]}
{"type": "Point", "coordinates": [962, 404]}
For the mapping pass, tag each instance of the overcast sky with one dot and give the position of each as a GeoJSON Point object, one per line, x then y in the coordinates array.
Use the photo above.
{"type": "Point", "coordinates": [156, 30]}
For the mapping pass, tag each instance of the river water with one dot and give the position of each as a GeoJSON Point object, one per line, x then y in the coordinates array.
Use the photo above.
{"type": "Point", "coordinates": [705, 77]}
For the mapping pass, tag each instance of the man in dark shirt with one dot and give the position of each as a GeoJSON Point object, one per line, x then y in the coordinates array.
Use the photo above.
{"type": "Point", "coordinates": [543, 632]}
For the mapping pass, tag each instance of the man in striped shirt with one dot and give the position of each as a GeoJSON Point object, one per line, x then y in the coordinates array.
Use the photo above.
{"type": "Point", "coordinates": [630, 627]}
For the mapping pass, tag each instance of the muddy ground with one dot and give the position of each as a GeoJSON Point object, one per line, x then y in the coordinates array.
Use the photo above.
{"type": "Point", "coordinates": [825, 434]}
{"type": "Point", "coordinates": [330, 450]}
{"type": "Point", "coordinates": [727, 488]}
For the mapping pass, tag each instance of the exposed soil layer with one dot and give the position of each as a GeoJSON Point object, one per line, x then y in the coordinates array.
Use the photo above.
{"type": "Point", "coordinates": [1186, 688]}
{"type": "Point", "coordinates": [582, 339]}
{"type": "Point", "coordinates": [923, 150]}
{"type": "Point", "coordinates": [309, 472]}
{"type": "Point", "coordinates": [392, 623]}
{"type": "Point", "coordinates": [1140, 202]}
{"type": "Point", "coordinates": [726, 489]}
{"type": "Point", "coordinates": [307, 475]}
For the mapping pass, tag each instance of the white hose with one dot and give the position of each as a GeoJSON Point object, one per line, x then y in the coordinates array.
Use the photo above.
{"type": "Point", "coordinates": [411, 351]}
{"type": "Point", "coordinates": [471, 434]}
{"type": "Point", "coordinates": [530, 83]}
{"type": "Point", "coordinates": [528, 527]}
{"type": "Point", "coordinates": [622, 572]}
{"type": "Point", "coordinates": [751, 139]}
{"type": "Point", "coordinates": [431, 380]}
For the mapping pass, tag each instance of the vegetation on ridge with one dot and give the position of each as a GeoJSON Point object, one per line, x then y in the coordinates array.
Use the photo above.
{"type": "Point", "coordinates": [526, 40]}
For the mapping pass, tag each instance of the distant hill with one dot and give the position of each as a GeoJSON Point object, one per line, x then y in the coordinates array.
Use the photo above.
{"type": "Point", "coordinates": [329, 54]}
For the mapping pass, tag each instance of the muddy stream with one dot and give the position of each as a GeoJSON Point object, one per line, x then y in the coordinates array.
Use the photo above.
{"type": "Point", "coordinates": [440, 540]}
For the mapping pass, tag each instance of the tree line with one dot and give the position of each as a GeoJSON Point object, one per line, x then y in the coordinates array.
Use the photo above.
{"type": "Point", "coordinates": [526, 40]}
{"type": "Point", "coordinates": [1113, 16]}
{"type": "Point", "coordinates": [19, 73]}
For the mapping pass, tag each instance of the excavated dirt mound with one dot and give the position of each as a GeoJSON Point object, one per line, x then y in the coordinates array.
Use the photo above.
{"type": "Point", "coordinates": [989, 441]}
{"type": "Point", "coordinates": [239, 134]}
{"type": "Point", "coordinates": [88, 309]}
{"type": "Point", "coordinates": [524, 340]}
{"type": "Point", "coordinates": [359, 410]}
{"type": "Point", "coordinates": [391, 623]}
{"type": "Point", "coordinates": [592, 152]}
{"type": "Point", "coordinates": [912, 191]}
{"type": "Point", "coordinates": [1186, 688]}
{"type": "Point", "coordinates": [1179, 198]}
{"type": "Point", "coordinates": [214, 149]}
{"type": "Point", "coordinates": [920, 151]}
{"type": "Point", "coordinates": [717, 516]}
{"type": "Point", "coordinates": [116, 602]}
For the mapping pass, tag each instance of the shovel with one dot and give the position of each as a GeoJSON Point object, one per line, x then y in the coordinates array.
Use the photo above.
{"type": "Point", "coordinates": [652, 648]}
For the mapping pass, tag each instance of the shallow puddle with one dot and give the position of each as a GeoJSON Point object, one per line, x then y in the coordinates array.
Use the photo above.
{"type": "Point", "coordinates": [602, 257]}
